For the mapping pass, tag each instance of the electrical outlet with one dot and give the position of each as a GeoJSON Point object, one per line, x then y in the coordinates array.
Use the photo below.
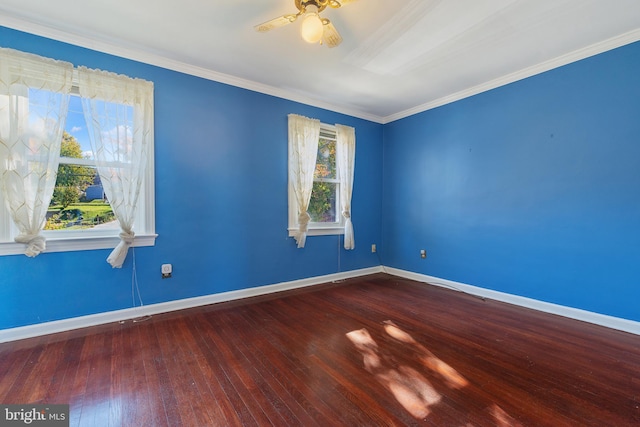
{"type": "Point", "coordinates": [423, 253]}
{"type": "Point", "coordinates": [166, 270]}
{"type": "Point", "coordinates": [373, 248]}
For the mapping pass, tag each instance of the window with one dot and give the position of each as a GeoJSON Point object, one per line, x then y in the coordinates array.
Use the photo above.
{"type": "Point", "coordinates": [79, 215]}
{"type": "Point", "coordinates": [326, 154]}
{"type": "Point", "coordinates": [324, 205]}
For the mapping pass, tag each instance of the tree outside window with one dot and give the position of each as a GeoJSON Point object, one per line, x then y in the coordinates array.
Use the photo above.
{"type": "Point", "coordinates": [322, 206]}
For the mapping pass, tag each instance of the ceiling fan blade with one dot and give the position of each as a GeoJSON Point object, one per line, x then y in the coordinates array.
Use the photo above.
{"type": "Point", "coordinates": [330, 35]}
{"type": "Point", "coordinates": [338, 3]}
{"type": "Point", "coordinates": [278, 22]}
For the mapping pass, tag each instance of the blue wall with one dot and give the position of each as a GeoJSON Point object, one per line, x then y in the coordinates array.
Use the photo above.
{"type": "Point", "coordinates": [221, 202]}
{"type": "Point", "coordinates": [531, 189]}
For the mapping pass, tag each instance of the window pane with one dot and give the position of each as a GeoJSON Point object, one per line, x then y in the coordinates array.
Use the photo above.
{"type": "Point", "coordinates": [77, 128]}
{"type": "Point", "coordinates": [322, 207]}
{"type": "Point", "coordinates": [326, 160]}
{"type": "Point", "coordinates": [78, 200]}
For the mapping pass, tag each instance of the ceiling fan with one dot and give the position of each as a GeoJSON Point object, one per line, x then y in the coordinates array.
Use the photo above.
{"type": "Point", "coordinates": [314, 29]}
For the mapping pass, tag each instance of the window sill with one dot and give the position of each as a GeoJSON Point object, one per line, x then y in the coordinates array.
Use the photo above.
{"type": "Point", "coordinates": [78, 244]}
{"type": "Point", "coordinates": [319, 231]}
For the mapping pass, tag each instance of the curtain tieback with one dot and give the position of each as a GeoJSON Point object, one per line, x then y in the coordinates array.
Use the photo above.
{"type": "Point", "coordinates": [35, 244]}
{"type": "Point", "coordinates": [127, 237]}
{"type": "Point", "coordinates": [346, 214]}
{"type": "Point", "coordinates": [303, 221]}
{"type": "Point", "coordinates": [119, 253]}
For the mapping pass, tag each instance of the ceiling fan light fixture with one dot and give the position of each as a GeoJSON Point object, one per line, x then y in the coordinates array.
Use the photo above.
{"type": "Point", "coordinates": [312, 27]}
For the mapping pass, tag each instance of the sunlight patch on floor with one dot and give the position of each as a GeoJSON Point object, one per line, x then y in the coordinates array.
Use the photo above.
{"type": "Point", "coordinates": [429, 360]}
{"type": "Point", "coordinates": [409, 386]}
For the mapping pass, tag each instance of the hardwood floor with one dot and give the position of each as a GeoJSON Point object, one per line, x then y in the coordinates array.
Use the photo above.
{"type": "Point", "coordinates": [377, 350]}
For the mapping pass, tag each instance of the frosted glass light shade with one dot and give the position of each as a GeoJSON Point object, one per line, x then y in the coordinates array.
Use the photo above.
{"type": "Point", "coordinates": [312, 28]}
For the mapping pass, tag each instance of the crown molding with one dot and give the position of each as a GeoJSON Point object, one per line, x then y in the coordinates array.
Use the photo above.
{"type": "Point", "coordinates": [577, 55]}
{"type": "Point", "coordinates": [167, 63]}
{"type": "Point", "coordinates": [139, 55]}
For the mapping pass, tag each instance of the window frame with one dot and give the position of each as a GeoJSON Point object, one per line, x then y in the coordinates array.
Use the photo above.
{"type": "Point", "coordinates": [90, 239]}
{"type": "Point", "coordinates": [318, 228]}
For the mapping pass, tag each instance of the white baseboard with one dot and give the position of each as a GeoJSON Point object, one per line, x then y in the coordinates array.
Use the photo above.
{"type": "Point", "coordinates": [572, 313]}
{"type": "Point", "coordinates": [56, 326]}
{"type": "Point", "coordinates": [53, 327]}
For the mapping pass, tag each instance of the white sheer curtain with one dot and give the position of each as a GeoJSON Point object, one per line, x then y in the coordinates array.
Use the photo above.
{"type": "Point", "coordinates": [345, 157]}
{"type": "Point", "coordinates": [34, 98]}
{"type": "Point", "coordinates": [304, 134]}
{"type": "Point", "coordinates": [119, 115]}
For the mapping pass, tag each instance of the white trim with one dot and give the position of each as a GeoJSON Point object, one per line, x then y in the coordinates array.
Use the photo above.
{"type": "Point", "coordinates": [546, 307]}
{"type": "Point", "coordinates": [56, 326]}
{"type": "Point", "coordinates": [160, 61]}
{"type": "Point", "coordinates": [79, 244]}
{"type": "Point", "coordinates": [30, 331]}
{"type": "Point", "coordinates": [90, 239]}
{"type": "Point", "coordinates": [317, 228]}
{"type": "Point", "coordinates": [333, 230]}
{"type": "Point", "coordinates": [170, 64]}
{"type": "Point", "coordinates": [577, 55]}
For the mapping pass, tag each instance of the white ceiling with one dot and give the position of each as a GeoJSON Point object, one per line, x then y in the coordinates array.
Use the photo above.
{"type": "Point", "coordinates": [398, 57]}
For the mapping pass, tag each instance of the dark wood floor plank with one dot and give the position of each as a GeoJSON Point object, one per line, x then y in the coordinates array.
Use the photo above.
{"type": "Point", "coordinates": [257, 383]}
{"type": "Point", "coordinates": [12, 366]}
{"type": "Point", "coordinates": [221, 390]}
{"type": "Point", "coordinates": [143, 338]}
{"type": "Point", "coordinates": [216, 370]}
{"type": "Point", "coordinates": [236, 376]}
{"type": "Point", "coordinates": [492, 354]}
{"type": "Point", "coordinates": [119, 375]}
{"type": "Point", "coordinates": [96, 401]}
{"type": "Point", "coordinates": [205, 397]}
{"type": "Point", "coordinates": [274, 380]}
{"type": "Point", "coordinates": [286, 371]}
{"type": "Point", "coordinates": [161, 377]}
{"type": "Point", "coordinates": [341, 347]}
{"type": "Point", "coordinates": [322, 339]}
{"type": "Point", "coordinates": [291, 359]}
{"type": "Point", "coordinates": [79, 384]}
{"type": "Point", "coordinates": [301, 355]}
{"type": "Point", "coordinates": [62, 383]}
{"type": "Point", "coordinates": [20, 390]}
{"type": "Point", "coordinates": [297, 349]}
{"type": "Point", "coordinates": [179, 376]}
{"type": "Point", "coordinates": [138, 403]}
